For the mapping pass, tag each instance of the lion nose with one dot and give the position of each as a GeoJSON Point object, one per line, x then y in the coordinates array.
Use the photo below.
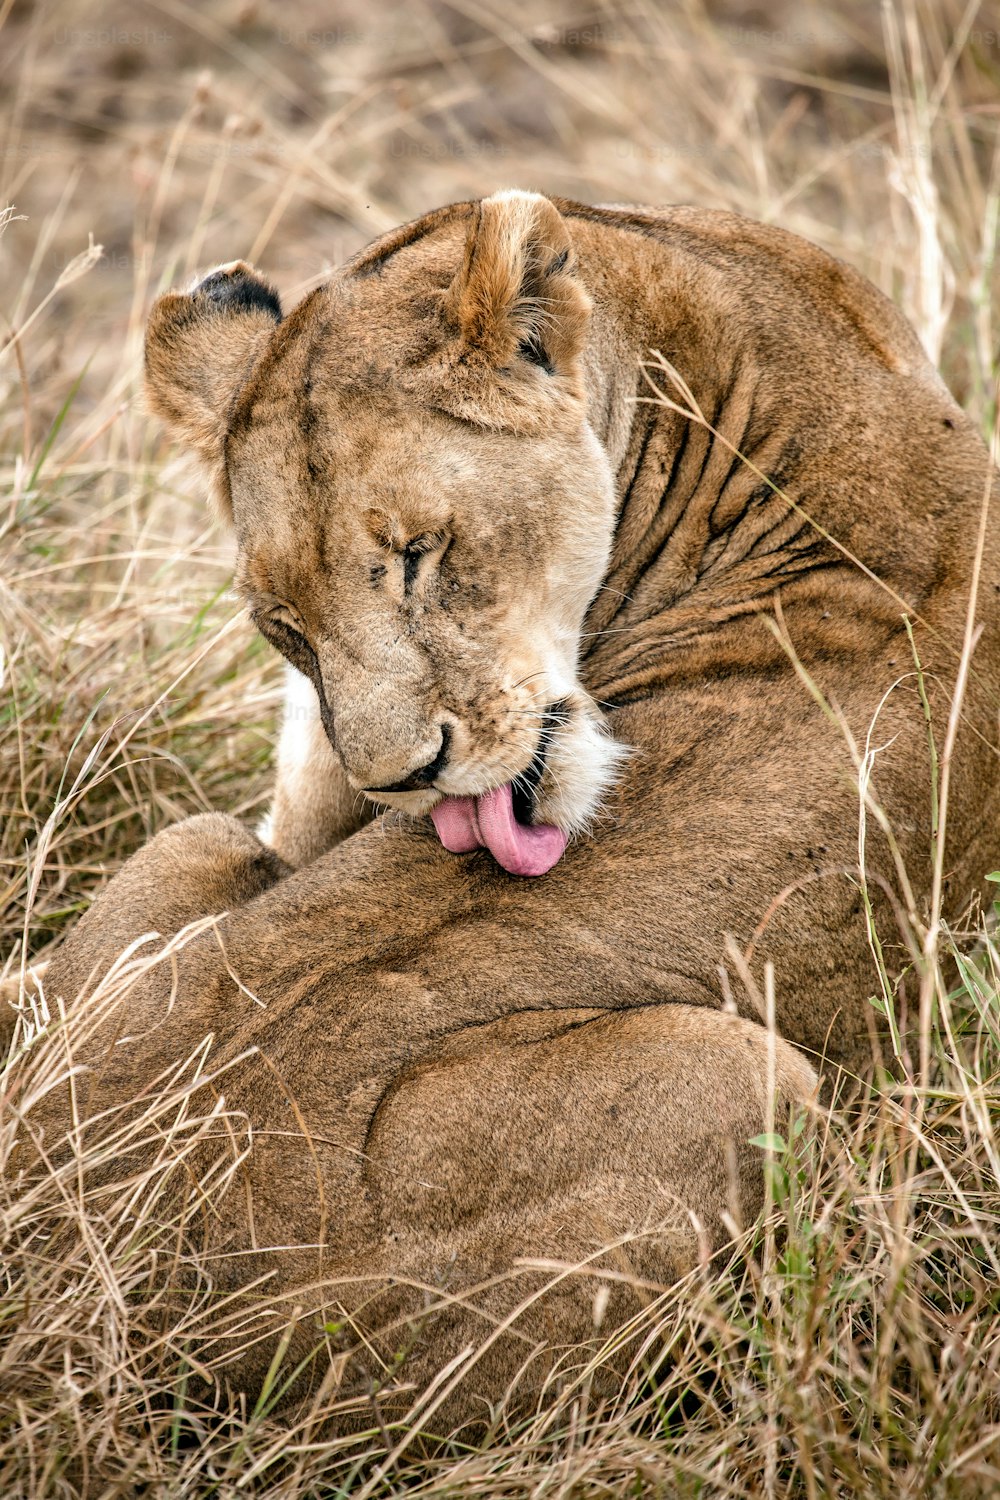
{"type": "Point", "coordinates": [421, 776]}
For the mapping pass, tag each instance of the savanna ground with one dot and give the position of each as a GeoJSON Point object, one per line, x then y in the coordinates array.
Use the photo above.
{"type": "Point", "coordinates": [852, 1346]}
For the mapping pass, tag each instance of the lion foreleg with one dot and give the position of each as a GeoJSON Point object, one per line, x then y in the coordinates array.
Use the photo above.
{"type": "Point", "coordinates": [314, 805]}
{"type": "Point", "coordinates": [201, 867]}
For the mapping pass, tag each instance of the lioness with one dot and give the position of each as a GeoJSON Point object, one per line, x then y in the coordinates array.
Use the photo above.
{"type": "Point", "coordinates": [604, 654]}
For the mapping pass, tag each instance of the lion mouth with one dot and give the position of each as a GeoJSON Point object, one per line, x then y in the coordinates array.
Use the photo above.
{"type": "Point", "coordinates": [500, 820]}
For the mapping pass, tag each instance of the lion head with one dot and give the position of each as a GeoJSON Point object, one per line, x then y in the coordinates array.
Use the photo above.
{"type": "Point", "coordinates": [422, 510]}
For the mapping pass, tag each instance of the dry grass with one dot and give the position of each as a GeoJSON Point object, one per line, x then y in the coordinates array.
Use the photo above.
{"type": "Point", "coordinates": [852, 1347]}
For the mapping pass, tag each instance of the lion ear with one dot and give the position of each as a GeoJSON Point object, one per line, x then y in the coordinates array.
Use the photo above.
{"type": "Point", "coordinates": [200, 348]}
{"type": "Point", "coordinates": [517, 296]}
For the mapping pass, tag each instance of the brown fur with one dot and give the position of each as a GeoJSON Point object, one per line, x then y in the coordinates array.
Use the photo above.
{"type": "Point", "coordinates": [485, 1068]}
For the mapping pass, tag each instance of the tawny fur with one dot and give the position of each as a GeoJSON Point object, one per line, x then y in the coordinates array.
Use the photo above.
{"type": "Point", "coordinates": [486, 1069]}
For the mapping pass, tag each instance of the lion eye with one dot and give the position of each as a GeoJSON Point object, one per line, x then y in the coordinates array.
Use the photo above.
{"type": "Point", "coordinates": [417, 548]}
{"type": "Point", "coordinates": [289, 618]}
{"type": "Point", "coordinates": [421, 545]}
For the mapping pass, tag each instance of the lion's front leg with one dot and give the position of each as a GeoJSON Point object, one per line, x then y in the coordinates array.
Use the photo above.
{"type": "Point", "coordinates": [145, 980]}
{"type": "Point", "coordinates": [140, 1002]}
{"type": "Point", "coordinates": [314, 805]}
{"type": "Point", "coordinates": [201, 867]}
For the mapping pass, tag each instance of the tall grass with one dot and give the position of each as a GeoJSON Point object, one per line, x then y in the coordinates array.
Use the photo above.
{"type": "Point", "coordinates": [851, 1345]}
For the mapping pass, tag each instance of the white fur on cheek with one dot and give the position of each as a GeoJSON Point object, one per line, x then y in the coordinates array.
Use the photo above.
{"type": "Point", "coordinates": [583, 763]}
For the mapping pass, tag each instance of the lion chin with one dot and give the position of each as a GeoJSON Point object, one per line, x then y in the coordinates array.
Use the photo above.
{"type": "Point", "coordinates": [640, 624]}
{"type": "Point", "coordinates": [525, 822]}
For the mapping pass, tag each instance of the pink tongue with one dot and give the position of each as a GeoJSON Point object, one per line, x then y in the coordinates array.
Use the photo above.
{"type": "Point", "coordinates": [488, 822]}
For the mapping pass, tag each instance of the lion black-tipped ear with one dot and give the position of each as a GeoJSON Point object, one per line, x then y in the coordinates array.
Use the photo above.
{"type": "Point", "coordinates": [516, 296]}
{"type": "Point", "coordinates": [200, 348]}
